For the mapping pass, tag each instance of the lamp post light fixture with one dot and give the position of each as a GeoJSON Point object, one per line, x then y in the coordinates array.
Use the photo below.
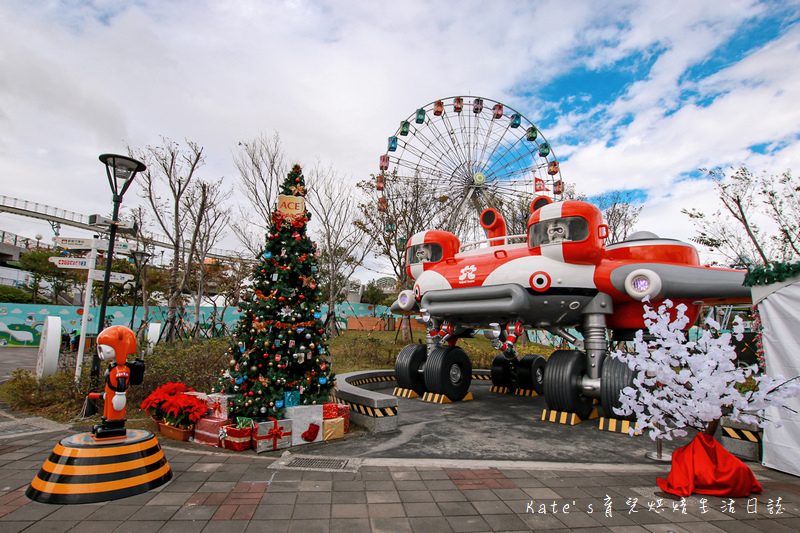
{"type": "Point", "coordinates": [140, 258]}
{"type": "Point", "coordinates": [120, 170]}
{"type": "Point", "coordinates": [38, 238]}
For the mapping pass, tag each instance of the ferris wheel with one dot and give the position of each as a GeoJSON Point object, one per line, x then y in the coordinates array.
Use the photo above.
{"type": "Point", "coordinates": [472, 153]}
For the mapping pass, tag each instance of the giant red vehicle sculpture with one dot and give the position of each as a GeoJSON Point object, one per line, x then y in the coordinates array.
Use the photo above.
{"type": "Point", "coordinates": [562, 276]}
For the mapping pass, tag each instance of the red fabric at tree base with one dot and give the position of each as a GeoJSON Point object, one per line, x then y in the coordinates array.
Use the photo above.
{"type": "Point", "coordinates": [704, 466]}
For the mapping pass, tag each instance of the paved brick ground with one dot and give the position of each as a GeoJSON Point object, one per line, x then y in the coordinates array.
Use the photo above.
{"type": "Point", "coordinates": [219, 491]}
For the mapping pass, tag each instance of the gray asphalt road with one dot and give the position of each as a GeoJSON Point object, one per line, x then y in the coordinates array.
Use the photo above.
{"type": "Point", "coordinates": [489, 427]}
{"type": "Point", "coordinates": [492, 426]}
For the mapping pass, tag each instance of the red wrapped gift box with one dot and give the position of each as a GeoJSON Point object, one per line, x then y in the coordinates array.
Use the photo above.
{"type": "Point", "coordinates": [273, 435]}
{"type": "Point", "coordinates": [344, 412]}
{"type": "Point", "coordinates": [235, 439]}
{"type": "Point", "coordinates": [330, 410]}
{"type": "Point", "coordinates": [206, 430]}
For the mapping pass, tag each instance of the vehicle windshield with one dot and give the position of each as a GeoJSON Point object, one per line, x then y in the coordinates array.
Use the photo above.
{"type": "Point", "coordinates": [424, 253]}
{"type": "Point", "coordinates": [558, 230]}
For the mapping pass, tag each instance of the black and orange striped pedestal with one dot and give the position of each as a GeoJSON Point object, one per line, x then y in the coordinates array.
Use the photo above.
{"type": "Point", "coordinates": [82, 470]}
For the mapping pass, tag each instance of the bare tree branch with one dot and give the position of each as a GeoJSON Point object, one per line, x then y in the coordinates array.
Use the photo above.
{"type": "Point", "coordinates": [344, 245]}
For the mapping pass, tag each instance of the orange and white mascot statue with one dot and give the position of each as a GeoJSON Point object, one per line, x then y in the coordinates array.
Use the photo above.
{"type": "Point", "coordinates": [114, 343]}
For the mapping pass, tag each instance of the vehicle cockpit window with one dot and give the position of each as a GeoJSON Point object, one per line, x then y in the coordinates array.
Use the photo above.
{"type": "Point", "coordinates": [558, 230]}
{"type": "Point", "coordinates": [424, 253]}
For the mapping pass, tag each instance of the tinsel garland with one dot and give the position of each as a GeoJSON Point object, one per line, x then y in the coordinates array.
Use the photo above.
{"type": "Point", "coordinates": [774, 273]}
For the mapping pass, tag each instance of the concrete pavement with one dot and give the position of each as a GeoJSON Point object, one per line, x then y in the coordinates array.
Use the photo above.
{"type": "Point", "coordinates": [363, 484]}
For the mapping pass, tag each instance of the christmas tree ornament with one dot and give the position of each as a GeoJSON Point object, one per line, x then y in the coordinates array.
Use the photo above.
{"type": "Point", "coordinates": [276, 311]}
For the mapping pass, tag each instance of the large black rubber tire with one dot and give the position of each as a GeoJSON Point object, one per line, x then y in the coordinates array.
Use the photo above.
{"type": "Point", "coordinates": [503, 375]}
{"type": "Point", "coordinates": [614, 377]}
{"type": "Point", "coordinates": [448, 371]}
{"type": "Point", "coordinates": [562, 389]}
{"type": "Point", "coordinates": [407, 365]}
{"type": "Point", "coordinates": [531, 373]}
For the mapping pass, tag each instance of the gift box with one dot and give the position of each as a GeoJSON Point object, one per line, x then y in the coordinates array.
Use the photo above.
{"type": "Point", "coordinates": [306, 423]}
{"type": "Point", "coordinates": [272, 435]}
{"type": "Point", "coordinates": [332, 428]}
{"type": "Point", "coordinates": [206, 430]}
{"type": "Point", "coordinates": [344, 412]}
{"type": "Point", "coordinates": [329, 410]}
{"type": "Point", "coordinates": [218, 405]}
{"type": "Point", "coordinates": [202, 396]}
{"type": "Point", "coordinates": [233, 438]}
{"type": "Point", "coordinates": [291, 398]}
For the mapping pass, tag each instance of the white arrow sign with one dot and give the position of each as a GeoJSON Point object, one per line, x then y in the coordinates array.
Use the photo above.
{"type": "Point", "coordinates": [116, 277]}
{"type": "Point", "coordinates": [74, 243]}
{"type": "Point", "coordinates": [69, 262]}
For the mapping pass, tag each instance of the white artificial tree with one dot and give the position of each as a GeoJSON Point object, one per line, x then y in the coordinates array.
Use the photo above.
{"type": "Point", "coordinates": [681, 384]}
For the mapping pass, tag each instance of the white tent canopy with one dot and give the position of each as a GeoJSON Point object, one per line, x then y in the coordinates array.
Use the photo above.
{"type": "Point", "coordinates": [779, 307]}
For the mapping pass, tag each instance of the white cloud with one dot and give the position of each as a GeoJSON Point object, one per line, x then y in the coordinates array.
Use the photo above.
{"type": "Point", "coordinates": [336, 78]}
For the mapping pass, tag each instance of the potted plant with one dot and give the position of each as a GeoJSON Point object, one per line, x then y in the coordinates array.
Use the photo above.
{"type": "Point", "coordinates": [181, 413]}
{"type": "Point", "coordinates": [154, 403]}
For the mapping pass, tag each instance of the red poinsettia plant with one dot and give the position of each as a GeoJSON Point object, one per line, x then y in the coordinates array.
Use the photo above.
{"type": "Point", "coordinates": [154, 403]}
{"type": "Point", "coordinates": [183, 410]}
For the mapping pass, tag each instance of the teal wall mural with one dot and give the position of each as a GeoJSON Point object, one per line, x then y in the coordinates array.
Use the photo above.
{"type": "Point", "coordinates": [21, 324]}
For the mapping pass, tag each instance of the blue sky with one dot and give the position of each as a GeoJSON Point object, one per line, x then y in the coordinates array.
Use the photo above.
{"type": "Point", "coordinates": [631, 95]}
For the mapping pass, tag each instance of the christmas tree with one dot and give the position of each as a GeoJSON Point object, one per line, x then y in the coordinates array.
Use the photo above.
{"type": "Point", "coordinates": [279, 356]}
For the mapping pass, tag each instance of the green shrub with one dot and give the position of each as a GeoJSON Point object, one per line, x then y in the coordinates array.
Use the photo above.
{"type": "Point", "coordinates": [194, 362]}
{"type": "Point", "coordinates": [359, 350]}
{"type": "Point", "coordinates": [13, 295]}
{"type": "Point", "coordinates": [198, 362]}
{"type": "Point", "coordinates": [57, 397]}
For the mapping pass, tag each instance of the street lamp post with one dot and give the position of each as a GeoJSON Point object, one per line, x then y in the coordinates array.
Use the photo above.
{"type": "Point", "coordinates": [120, 170]}
{"type": "Point", "coordinates": [140, 258]}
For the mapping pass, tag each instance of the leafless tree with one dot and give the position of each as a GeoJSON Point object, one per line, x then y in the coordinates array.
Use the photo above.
{"type": "Point", "coordinates": [619, 212]}
{"type": "Point", "coordinates": [343, 244]}
{"type": "Point", "coordinates": [733, 231]}
{"type": "Point", "coordinates": [145, 240]}
{"type": "Point", "coordinates": [171, 167]}
{"type": "Point", "coordinates": [262, 167]}
{"type": "Point", "coordinates": [782, 195]}
{"type": "Point", "coordinates": [212, 226]}
{"type": "Point", "coordinates": [409, 206]}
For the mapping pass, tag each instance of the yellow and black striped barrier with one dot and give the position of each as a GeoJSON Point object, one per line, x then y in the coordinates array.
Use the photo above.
{"type": "Point", "coordinates": [563, 417]}
{"type": "Point", "coordinates": [441, 398]}
{"type": "Point", "coordinates": [372, 380]}
{"type": "Point", "coordinates": [526, 392]}
{"type": "Point", "coordinates": [500, 390]}
{"type": "Point", "coordinates": [481, 376]}
{"type": "Point", "coordinates": [377, 412]}
{"type": "Point", "coordinates": [83, 470]}
{"type": "Point", "coordinates": [618, 426]}
{"type": "Point", "coordinates": [742, 434]}
{"type": "Point", "coordinates": [404, 393]}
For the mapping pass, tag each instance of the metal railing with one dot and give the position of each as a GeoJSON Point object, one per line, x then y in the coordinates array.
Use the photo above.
{"type": "Point", "coordinates": [70, 218]}
{"type": "Point", "coordinates": [6, 237]}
